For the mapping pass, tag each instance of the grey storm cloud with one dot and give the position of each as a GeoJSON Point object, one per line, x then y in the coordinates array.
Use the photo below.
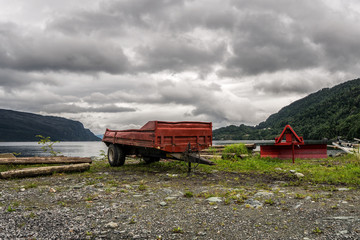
{"type": "Point", "coordinates": [25, 52]}
{"type": "Point", "coordinates": [226, 61]}
{"type": "Point", "coordinates": [261, 36]}
{"type": "Point", "coordinates": [65, 108]}
{"type": "Point", "coordinates": [179, 56]}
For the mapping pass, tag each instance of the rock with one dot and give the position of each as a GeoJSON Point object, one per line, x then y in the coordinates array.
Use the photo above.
{"type": "Point", "coordinates": [201, 233]}
{"type": "Point", "coordinates": [170, 198]}
{"type": "Point", "coordinates": [292, 171]}
{"type": "Point", "coordinates": [299, 175]}
{"type": "Point", "coordinates": [22, 189]}
{"type": "Point", "coordinates": [253, 203]}
{"type": "Point", "coordinates": [263, 194]}
{"type": "Point", "coordinates": [137, 195]}
{"type": "Point", "coordinates": [214, 199]}
{"type": "Point", "coordinates": [346, 218]}
{"type": "Point", "coordinates": [177, 194]}
{"type": "Point", "coordinates": [343, 189]}
{"type": "Point", "coordinates": [297, 206]}
{"type": "Point", "coordinates": [163, 204]}
{"type": "Point", "coordinates": [112, 225]}
{"type": "Point", "coordinates": [172, 175]}
{"type": "Point", "coordinates": [344, 232]}
{"type": "Point", "coordinates": [167, 191]}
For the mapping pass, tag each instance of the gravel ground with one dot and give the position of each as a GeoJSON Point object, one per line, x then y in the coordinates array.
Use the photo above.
{"type": "Point", "coordinates": [160, 205]}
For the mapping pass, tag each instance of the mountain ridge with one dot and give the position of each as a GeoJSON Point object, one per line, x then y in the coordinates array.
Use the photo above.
{"type": "Point", "coordinates": [18, 126]}
{"type": "Point", "coordinates": [327, 113]}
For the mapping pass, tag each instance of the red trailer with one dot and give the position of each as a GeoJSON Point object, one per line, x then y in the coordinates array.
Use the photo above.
{"type": "Point", "coordinates": [159, 139]}
{"type": "Point", "coordinates": [293, 147]}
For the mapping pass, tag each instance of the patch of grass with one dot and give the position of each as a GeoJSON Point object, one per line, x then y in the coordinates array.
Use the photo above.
{"type": "Point", "coordinates": [299, 196]}
{"type": "Point", "coordinates": [177, 230]}
{"type": "Point", "coordinates": [269, 201]}
{"type": "Point", "coordinates": [188, 194]}
{"type": "Point", "coordinates": [142, 187]}
{"type": "Point", "coordinates": [343, 170]}
{"type": "Point", "coordinates": [91, 197]}
{"type": "Point", "coordinates": [10, 209]}
{"type": "Point", "coordinates": [234, 151]}
{"type": "Point", "coordinates": [132, 220]}
{"type": "Point", "coordinates": [31, 215]}
{"type": "Point", "coordinates": [317, 230]}
{"type": "Point", "coordinates": [31, 185]}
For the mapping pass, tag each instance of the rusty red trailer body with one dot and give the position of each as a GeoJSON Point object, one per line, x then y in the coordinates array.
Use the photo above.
{"type": "Point", "coordinates": [167, 136]}
{"type": "Point", "coordinates": [156, 139]}
{"type": "Point", "coordinates": [293, 147]}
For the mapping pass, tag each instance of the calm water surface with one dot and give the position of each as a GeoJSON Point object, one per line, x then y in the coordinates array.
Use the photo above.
{"type": "Point", "coordinates": [87, 149]}
{"type": "Point", "coordinates": [72, 149]}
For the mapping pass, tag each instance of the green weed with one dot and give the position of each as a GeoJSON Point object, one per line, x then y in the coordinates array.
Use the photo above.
{"type": "Point", "coordinates": [177, 230]}
{"type": "Point", "coordinates": [188, 194]}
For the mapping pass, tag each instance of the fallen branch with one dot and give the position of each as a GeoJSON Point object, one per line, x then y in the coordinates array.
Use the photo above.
{"type": "Point", "coordinates": [45, 160]}
{"type": "Point", "coordinates": [31, 172]}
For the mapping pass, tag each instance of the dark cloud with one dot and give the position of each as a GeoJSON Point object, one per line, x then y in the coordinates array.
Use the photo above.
{"type": "Point", "coordinates": [72, 108]}
{"type": "Point", "coordinates": [25, 52]}
{"type": "Point", "coordinates": [222, 61]}
{"type": "Point", "coordinates": [11, 80]}
{"type": "Point", "coordinates": [178, 55]}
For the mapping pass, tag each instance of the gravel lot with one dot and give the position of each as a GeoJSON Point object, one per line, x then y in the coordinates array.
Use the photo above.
{"type": "Point", "coordinates": [117, 204]}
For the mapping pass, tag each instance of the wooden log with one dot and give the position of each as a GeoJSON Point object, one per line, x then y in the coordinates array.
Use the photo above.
{"type": "Point", "coordinates": [345, 149]}
{"type": "Point", "coordinates": [7, 155]}
{"type": "Point", "coordinates": [45, 160]}
{"type": "Point", "coordinates": [32, 172]}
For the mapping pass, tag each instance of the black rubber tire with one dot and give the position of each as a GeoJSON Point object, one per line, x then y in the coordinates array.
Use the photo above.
{"type": "Point", "coordinates": [149, 160]}
{"type": "Point", "coordinates": [116, 155]}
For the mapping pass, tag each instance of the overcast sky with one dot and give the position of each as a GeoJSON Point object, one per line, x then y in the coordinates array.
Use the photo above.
{"type": "Point", "coordinates": [119, 64]}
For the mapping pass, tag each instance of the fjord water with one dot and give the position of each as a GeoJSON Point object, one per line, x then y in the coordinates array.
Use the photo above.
{"type": "Point", "coordinates": [71, 149]}
{"type": "Point", "coordinates": [90, 149]}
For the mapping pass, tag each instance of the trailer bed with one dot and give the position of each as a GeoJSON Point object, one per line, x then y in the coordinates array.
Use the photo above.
{"type": "Point", "coordinates": [171, 137]}
{"type": "Point", "coordinates": [159, 139]}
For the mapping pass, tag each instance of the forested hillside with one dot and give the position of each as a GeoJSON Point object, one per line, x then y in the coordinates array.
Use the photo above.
{"type": "Point", "coordinates": [328, 113]}
{"type": "Point", "coordinates": [21, 126]}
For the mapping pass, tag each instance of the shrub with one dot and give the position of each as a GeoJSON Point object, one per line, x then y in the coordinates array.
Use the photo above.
{"type": "Point", "coordinates": [234, 151]}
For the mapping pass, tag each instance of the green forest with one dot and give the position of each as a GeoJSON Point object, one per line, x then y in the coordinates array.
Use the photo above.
{"type": "Point", "coordinates": [328, 113]}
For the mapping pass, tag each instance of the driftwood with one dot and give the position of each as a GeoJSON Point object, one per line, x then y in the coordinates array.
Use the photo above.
{"type": "Point", "coordinates": [44, 160]}
{"type": "Point", "coordinates": [31, 172]}
{"type": "Point", "coordinates": [7, 155]}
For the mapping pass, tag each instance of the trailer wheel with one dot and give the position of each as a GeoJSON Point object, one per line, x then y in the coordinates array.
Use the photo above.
{"type": "Point", "coordinates": [116, 155]}
{"type": "Point", "coordinates": [151, 159]}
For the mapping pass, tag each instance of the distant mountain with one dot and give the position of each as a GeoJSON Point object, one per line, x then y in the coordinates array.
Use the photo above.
{"type": "Point", "coordinates": [328, 113]}
{"type": "Point", "coordinates": [21, 126]}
